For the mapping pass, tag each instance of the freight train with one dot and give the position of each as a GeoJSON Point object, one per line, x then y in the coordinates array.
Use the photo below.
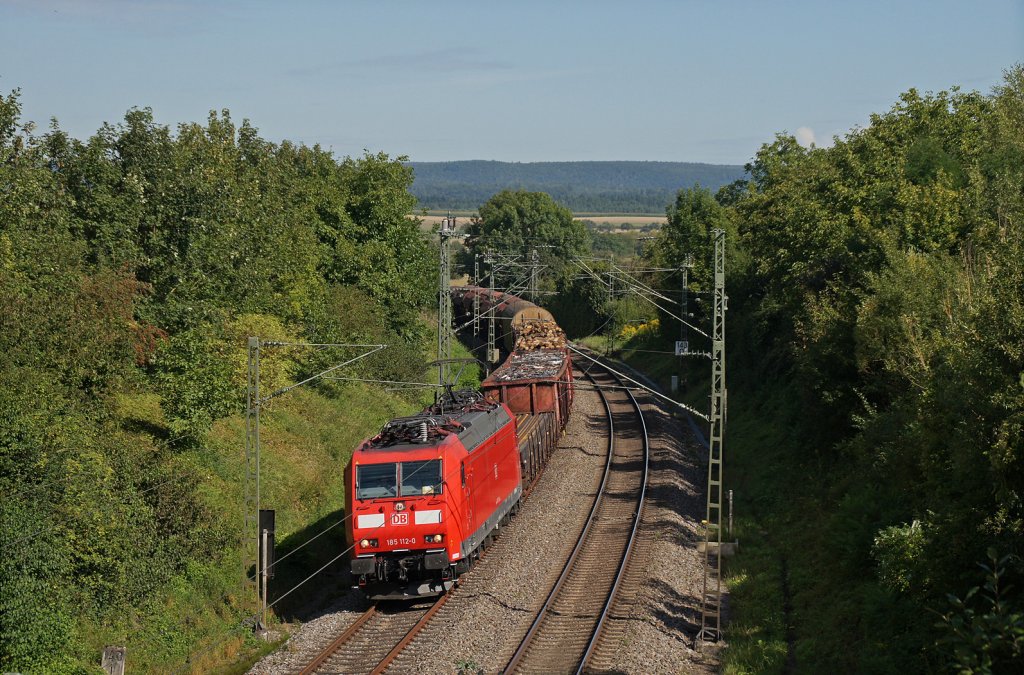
{"type": "Point", "coordinates": [426, 495]}
{"type": "Point", "coordinates": [510, 313]}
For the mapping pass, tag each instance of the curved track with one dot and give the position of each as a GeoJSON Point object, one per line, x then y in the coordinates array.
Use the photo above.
{"type": "Point", "coordinates": [569, 625]}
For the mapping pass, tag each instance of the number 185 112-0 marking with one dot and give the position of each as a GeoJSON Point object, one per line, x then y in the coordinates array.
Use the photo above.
{"type": "Point", "coordinates": [402, 541]}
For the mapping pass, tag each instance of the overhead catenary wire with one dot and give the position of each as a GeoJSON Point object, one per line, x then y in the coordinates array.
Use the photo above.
{"type": "Point", "coordinates": [309, 541]}
{"type": "Point", "coordinates": [631, 279]}
{"type": "Point", "coordinates": [275, 343]}
{"type": "Point", "coordinates": [643, 296]}
{"type": "Point", "coordinates": [649, 390]}
{"type": "Point", "coordinates": [284, 390]}
{"type": "Point", "coordinates": [372, 381]}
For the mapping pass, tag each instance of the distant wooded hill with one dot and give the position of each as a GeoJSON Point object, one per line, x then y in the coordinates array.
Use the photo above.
{"type": "Point", "coordinates": [584, 187]}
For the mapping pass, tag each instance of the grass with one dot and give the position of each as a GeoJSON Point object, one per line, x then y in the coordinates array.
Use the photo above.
{"type": "Point", "coordinates": [306, 438]}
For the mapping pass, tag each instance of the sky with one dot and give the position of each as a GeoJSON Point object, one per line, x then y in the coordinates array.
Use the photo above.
{"type": "Point", "coordinates": [694, 81]}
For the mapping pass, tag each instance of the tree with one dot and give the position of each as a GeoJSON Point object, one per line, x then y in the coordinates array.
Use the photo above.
{"type": "Point", "coordinates": [687, 235]}
{"type": "Point", "coordinates": [519, 221]}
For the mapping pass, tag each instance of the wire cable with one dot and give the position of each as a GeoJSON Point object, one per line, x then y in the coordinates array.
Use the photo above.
{"type": "Point", "coordinates": [685, 407]}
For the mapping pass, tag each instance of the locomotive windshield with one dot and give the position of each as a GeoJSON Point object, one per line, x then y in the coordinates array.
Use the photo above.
{"type": "Point", "coordinates": [421, 478]}
{"type": "Point", "coordinates": [375, 481]}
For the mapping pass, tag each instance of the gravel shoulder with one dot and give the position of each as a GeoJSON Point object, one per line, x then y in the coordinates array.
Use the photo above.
{"type": "Point", "coordinates": [313, 636]}
{"type": "Point", "coordinates": [654, 627]}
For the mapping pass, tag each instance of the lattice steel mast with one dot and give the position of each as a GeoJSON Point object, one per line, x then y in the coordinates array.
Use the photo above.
{"type": "Point", "coordinates": [491, 358]}
{"type": "Point", "coordinates": [533, 275]}
{"type": "Point", "coordinates": [444, 303]}
{"type": "Point", "coordinates": [476, 296]}
{"type": "Point", "coordinates": [711, 605]}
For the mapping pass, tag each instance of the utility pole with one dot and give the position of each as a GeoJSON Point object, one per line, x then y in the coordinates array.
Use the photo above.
{"type": "Point", "coordinates": [533, 276]}
{"type": "Point", "coordinates": [611, 325]}
{"type": "Point", "coordinates": [684, 299]}
{"type": "Point", "coordinates": [258, 525]}
{"type": "Point", "coordinates": [683, 346]}
{"type": "Point", "coordinates": [711, 605]}
{"type": "Point", "coordinates": [251, 525]}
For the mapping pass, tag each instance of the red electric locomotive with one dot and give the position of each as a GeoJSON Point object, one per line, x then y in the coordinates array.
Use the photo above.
{"type": "Point", "coordinates": [424, 494]}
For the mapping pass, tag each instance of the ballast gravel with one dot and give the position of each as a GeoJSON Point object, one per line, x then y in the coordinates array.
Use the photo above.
{"type": "Point", "coordinates": [313, 636]}
{"type": "Point", "coordinates": [656, 631]}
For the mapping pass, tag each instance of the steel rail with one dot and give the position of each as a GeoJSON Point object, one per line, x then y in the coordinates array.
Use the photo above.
{"type": "Point", "coordinates": [524, 645]}
{"type": "Point", "coordinates": [413, 632]}
{"type": "Point", "coordinates": [336, 644]}
{"type": "Point", "coordinates": [352, 631]}
{"type": "Point", "coordinates": [629, 545]}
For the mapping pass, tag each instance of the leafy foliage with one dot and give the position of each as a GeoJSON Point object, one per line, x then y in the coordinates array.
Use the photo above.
{"type": "Point", "coordinates": [989, 639]}
{"type": "Point", "coordinates": [133, 265]}
{"type": "Point", "coordinates": [521, 221]}
{"type": "Point", "coordinates": [197, 382]}
{"type": "Point", "coordinates": [878, 292]}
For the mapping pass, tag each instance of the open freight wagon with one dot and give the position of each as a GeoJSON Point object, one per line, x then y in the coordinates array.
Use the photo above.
{"type": "Point", "coordinates": [533, 383]}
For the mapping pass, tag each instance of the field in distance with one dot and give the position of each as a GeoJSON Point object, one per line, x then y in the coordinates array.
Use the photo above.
{"type": "Point", "coordinates": [601, 221]}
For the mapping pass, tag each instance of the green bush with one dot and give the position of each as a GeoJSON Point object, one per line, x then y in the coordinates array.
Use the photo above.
{"type": "Point", "coordinates": [985, 629]}
{"type": "Point", "coordinates": [195, 381]}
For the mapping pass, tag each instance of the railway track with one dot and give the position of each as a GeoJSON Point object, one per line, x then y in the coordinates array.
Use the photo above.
{"type": "Point", "coordinates": [568, 628]}
{"type": "Point", "coordinates": [373, 641]}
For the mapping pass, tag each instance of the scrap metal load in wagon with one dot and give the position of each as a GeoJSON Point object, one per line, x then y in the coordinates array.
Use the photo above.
{"type": "Point", "coordinates": [427, 493]}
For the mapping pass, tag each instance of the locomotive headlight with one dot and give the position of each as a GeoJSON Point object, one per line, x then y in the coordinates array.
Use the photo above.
{"type": "Point", "coordinates": [365, 543]}
{"type": "Point", "coordinates": [436, 538]}
{"type": "Point", "coordinates": [399, 506]}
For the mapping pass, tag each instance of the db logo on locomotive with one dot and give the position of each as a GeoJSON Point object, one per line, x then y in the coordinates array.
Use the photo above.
{"type": "Point", "coordinates": [399, 518]}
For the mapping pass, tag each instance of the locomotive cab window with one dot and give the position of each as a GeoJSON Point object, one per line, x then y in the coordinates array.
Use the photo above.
{"type": "Point", "coordinates": [421, 478]}
{"type": "Point", "coordinates": [376, 480]}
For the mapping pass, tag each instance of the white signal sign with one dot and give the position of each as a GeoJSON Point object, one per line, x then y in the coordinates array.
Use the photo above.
{"type": "Point", "coordinates": [682, 347]}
